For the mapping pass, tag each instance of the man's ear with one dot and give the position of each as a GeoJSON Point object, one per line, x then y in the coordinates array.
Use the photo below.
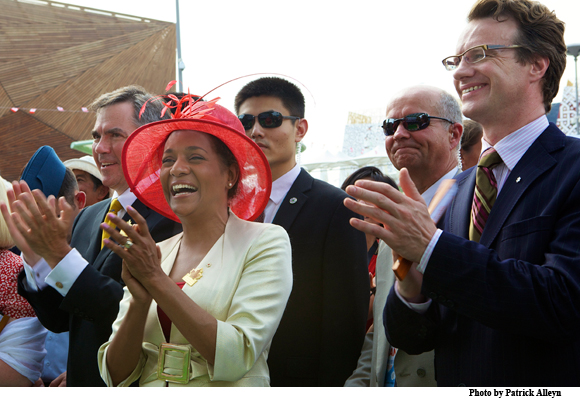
{"type": "Point", "coordinates": [301, 129]}
{"type": "Point", "coordinates": [80, 200]}
{"type": "Point", "coordinates": [456, 130]}
{"type": "Point", "coordinates": [538, 68]}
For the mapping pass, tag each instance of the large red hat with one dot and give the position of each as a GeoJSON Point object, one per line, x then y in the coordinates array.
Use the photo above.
{"type": "Point", "coordinates": [143, 151]}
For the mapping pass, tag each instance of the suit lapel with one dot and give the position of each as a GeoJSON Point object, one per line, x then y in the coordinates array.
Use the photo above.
{"type": "Point", "coordinates": [94, 225]}
{"type": "Point", "coordinates": [535, 161]}
{"type": "Point", "coordinates": [294, 200]}
{"type": "Point", "coordinates": [460, 209]}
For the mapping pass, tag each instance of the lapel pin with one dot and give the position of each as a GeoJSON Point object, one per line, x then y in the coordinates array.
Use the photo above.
{"type": "Point", "coordinates": [518, 179]}
{"type": "Point", "coordinates": [193, 276]}
{"type": "Point", "coordinates": [209, 265]}
{"type": "Point", "coordinates": [293, 200]}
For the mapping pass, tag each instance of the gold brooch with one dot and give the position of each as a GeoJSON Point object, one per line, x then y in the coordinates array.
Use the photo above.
{"type": "Point", "coordinates": [193, 276]}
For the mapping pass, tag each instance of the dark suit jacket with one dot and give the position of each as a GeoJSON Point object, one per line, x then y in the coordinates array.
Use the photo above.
{"type": "Point", "coordinates": [506, 311]}
{"type": "Point", "coordinates": [322, 331]}
{"type": "Point", "coordinates": [92, 304]}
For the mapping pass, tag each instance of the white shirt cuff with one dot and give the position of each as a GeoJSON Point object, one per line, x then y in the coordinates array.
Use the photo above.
{"type": "Point", "coordinates": [421, 308]}
{"type": "Point", "coordinates": [35, 275]}
{"type": "Point", "coordinates": [66, 272]}
{"type": "Point", "coordinates": [428, 251]}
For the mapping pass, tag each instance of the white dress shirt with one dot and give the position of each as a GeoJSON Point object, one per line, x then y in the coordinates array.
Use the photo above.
{"type": "Point", "coordinates": [280, 188]}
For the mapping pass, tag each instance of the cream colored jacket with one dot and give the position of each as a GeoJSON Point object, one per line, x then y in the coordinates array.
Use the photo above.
{"type": "Point", "coordinates": [247, 279]}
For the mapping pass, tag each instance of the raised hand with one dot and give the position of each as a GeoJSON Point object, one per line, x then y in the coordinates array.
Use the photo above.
{"type": "Point", "coordinates": [39, 227]}
{"type": "Point", "coordinates": [408, 227]}
{"type": "Point", "coordinates": [31, 257]}
{"type": "Point", "coordinates": [141, 256]}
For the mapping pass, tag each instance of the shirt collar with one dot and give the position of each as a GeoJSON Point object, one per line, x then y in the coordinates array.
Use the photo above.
{"type": "Point", "coordinates": [127, 198]}
{"type": "Point", "coordinates": [428, 194]}
{"type": "Point", "coordinates": [512, 147]}
{"type": "Point", "coordinates": [282, 185]}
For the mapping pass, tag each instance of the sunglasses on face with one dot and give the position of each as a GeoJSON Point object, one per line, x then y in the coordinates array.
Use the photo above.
{"type": "Point", "coordinates": [268, 119]}
{"type": "Point", "coordinates": [412, 123]}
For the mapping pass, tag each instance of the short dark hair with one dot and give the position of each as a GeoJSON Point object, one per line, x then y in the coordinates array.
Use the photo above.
{"type": "Point", "coordinates": [227, 158]}
{"type": "Point", "coordinates": [137, 96]}
{"type": "Point", "coordinates": [372, 173]}
{"type": "Point", "coordinates": [290, 95]}
{"type": "Point", "coordinates": [69, 187]}
{"type": "Point", "coordinates": [97, 183]}
{"type": "Point", "coordinates": [472, 132]}
{"type": "Point", "coordinates": [541, 33]}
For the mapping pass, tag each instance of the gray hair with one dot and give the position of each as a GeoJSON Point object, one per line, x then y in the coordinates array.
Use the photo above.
{"type": "Point", "coordinates": [448, 107]}
{"type": "Point", "coordinates": [136, 95]}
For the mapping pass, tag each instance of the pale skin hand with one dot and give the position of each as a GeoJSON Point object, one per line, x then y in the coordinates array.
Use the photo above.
{"type": "Point", "coordinates": [17, 188]}
{"type": "Point", "coordinates": [142, 267]}
{"type": "Point", "coordinates": [408, 227]}
{"type": "Point", "coordinates": [35, 218]}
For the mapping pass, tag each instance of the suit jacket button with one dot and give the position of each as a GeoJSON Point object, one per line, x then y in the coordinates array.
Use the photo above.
{"type": "Point", "coordinates": [421, 373]}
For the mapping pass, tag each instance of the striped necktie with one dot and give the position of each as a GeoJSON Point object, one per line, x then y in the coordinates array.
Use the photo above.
{"type": "Point", "coordinates": [485, 192]}
{"type": "Point", "coordinates": [115, 208]}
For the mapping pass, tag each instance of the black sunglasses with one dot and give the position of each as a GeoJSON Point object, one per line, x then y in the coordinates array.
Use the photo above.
{"type": "Point", "coordinates": [412, 123]}
{"type": "Point", "coordinates": [268, 119]}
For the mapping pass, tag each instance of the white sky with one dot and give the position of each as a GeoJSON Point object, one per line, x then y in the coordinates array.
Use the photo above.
{"type": "Point", "coordinates": [351, 56]}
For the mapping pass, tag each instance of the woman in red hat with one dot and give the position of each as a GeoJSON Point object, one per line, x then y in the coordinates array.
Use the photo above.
{"type": "Point", "coordinates": [201, 308]}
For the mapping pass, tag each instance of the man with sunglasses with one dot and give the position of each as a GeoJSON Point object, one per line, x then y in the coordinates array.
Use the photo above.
{"type": "Point", "coordinates": [422, 134]}
{"type": "Point", "coordinates": [497, 292]}
{"type": "Point", "coordinates": [322, 331]}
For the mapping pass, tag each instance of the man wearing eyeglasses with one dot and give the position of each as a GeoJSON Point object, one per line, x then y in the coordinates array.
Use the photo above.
{"type": "Point", "coordinates": [497, 292]}
{"type": "Point", "coordinates": [323, 327]}
{"type": "Point", "coordinates": [422, 134]}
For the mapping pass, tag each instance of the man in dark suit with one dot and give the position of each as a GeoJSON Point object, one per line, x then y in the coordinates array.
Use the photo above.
{"type": "Point", "coordinates": [501, 309]}
{"type": "Point", "coordinates": [322, 330]}
{"type": "Point", "coordinates": [77, 287]}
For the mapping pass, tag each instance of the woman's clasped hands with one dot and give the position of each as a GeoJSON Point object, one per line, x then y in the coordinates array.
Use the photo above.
{"type": "Point", "coordinates": [141, 256]}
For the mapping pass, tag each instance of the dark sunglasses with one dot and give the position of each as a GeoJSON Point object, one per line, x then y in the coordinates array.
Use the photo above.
{"type": "Point", "coordinates": [268, 119]}
{"type": "Point", "coordinates": [412, 123]}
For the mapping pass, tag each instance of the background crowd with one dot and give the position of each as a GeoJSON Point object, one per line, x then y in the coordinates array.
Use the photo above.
{"type": "Point", "coordinates": [192, 249]}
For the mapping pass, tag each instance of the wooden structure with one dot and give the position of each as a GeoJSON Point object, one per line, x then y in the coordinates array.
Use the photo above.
{"type": "Point", "coordinates": [58, 55]}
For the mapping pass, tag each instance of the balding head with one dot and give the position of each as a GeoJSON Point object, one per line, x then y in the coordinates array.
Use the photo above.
{"type": "Point", "coordinates": [428, 153]}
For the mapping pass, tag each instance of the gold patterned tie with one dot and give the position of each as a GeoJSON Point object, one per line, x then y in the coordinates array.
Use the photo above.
{"type": "Point", "coordinates": [485, 192]}
{"type": "Point", "coordinates": [115, 208]}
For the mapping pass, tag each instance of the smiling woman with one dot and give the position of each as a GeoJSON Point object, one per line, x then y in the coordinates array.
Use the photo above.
{"type": "Point", "coordinates": [183, 320]}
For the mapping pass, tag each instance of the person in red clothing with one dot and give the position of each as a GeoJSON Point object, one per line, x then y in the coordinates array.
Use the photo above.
{"type": "Point", "coordinates": [21, 334]}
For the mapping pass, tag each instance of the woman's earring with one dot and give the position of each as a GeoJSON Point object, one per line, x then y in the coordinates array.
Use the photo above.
{"type": "Point", "coordinates": [230, 185]}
